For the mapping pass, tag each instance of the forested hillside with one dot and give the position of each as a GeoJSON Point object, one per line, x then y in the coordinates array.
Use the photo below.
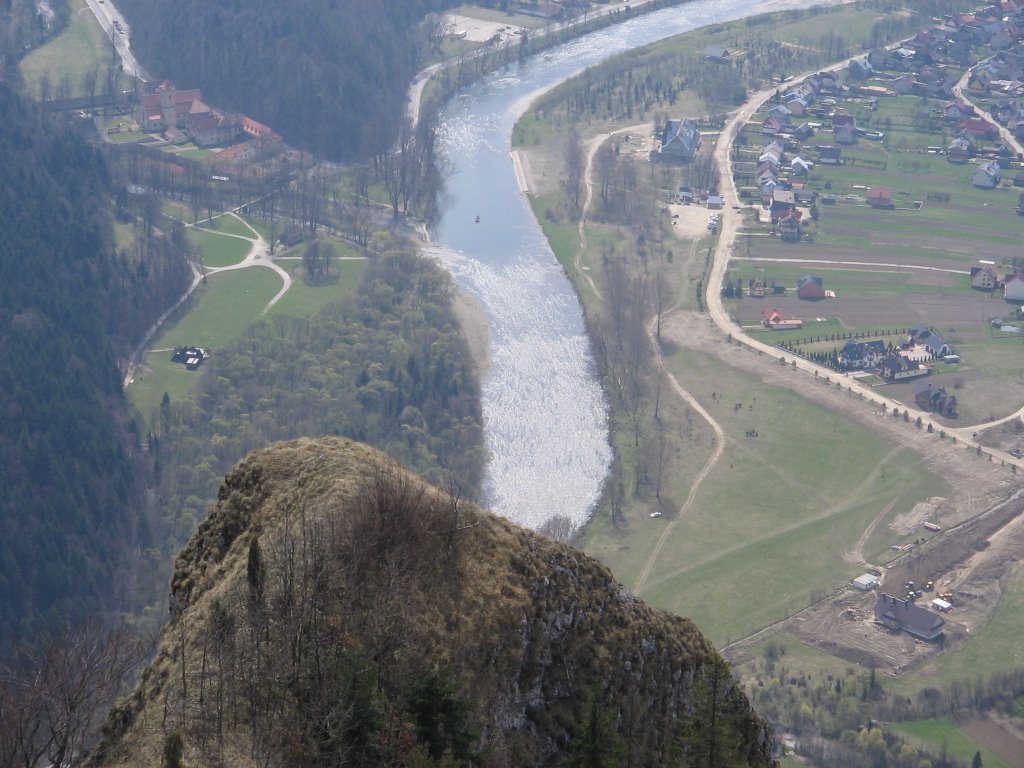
{"type": "Point", "coordinates": [70, 307]}
{"type": "Point", "coordinates": [329, 75]}
{"type": "Point", "coordinates": [388, 367]}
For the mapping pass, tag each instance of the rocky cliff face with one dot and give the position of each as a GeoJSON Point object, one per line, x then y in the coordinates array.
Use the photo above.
{"type": "Point", "coordinates": [334, 610]}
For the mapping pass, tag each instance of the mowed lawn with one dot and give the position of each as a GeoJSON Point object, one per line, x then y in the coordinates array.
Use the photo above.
{"type": "Point", "coordinates": [229, 224]}
{"type": "Point", "coordinates": [218, 312]}
{"type": "Point", "coordinates": [219, 250]}
{"type": "Point", "coordinates": [305, 300]}
{"type": "Point", "coordinates": [770, 523]}
{"type": "Point", "coordinates": [941, 732]}
{"type": "Point", "coordinates": [70, 55]}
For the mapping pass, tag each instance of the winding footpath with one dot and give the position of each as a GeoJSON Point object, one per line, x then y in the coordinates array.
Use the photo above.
{"type": "Point", "coordinates": [591, 150]}
{"type": "Point", "coordinates": [256, 257]}
{"type": "Point", "coordinates": [709, 465]}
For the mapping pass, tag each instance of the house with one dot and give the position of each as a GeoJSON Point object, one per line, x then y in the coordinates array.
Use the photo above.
{"type": "Point", "coordinates": [810, 288]}
{"type": "Point", "coordinates": [772, 153]}
{"type": "Point", "coordinates": [798, 106]}
{"type": "Point", "coordinates": [936, 400]}
{"type": "Point", "coordinates": [844, 134]}
{"type": "Point", "coordinates": [959, 150]}
{"type": "Point", "coordinates": [984, 278]}
{"type": "Point", "coordinates": [775, 320]}
{"type": "Point", "coordinates": [756, 288]}
{"type": "Point", "coordinates": [860, 69]}
{"type": "Point", "coordinates": [680, 140]}
{"type": "Point", "coordinates": [780, 111]}
{"type": "Point", "coordinates": [903, 85]}
{"type": "Point", "coordinates": [800, 167]}
{"type": "Point", "coordinates": [1001, 40]}
{"type": "Point", "coordinates": [717, 54]}
{"type": "Point", "coordinates": [986, 176]}
{"type": "Point", "coordinates": [783, 201]}
{"type": "Point", "coordinates": [880, 58]}
{"type": "Point", "coordinates": [715, 202]}
{"type": "Point", "coordinates": [979, 81]}
{"type": "Point", "coordinates": [789, 226]}
{"type": "Point", "coordinates": [839, 119]}
{"type": "Point", "coordinates": [1013, 288]}
{"type": "Point", "coordinates": [958, 110]}
{"type": "Point", "coordinates": [830, 155]}
{"type": "Point", "coordinates": [164, 106]}
{"type": "Point", "coordinates": [977, 128]}
{"type": "Point", "coordinates": [803, 132]}
{"type": "Point", "coordinates": [213, 127]}
{"type": "Point", "coordinates": [880, 197]}
{"type": "Point", "coordinates": [896, 614]}
{"type": "Point", "coordinates": [190, 357]}
{"type": "Point", "coordinates": [866, 582]}
{"type": "Point", "coordinates": [805, 197]}
{"type": "Point", "coordinates": [896, 367]}
{"type": "Point", "coordinates": [863, 354]}
{"type": "Point", "coordinates": [771, 125]}
{"type": "Point", "coordinates": [930, 340]}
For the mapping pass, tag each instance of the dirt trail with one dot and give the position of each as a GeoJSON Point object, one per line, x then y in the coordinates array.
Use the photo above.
{"type": "Point", "coordinates": [592, 146]}
{"type": "Point", "coordinates": [704, 472]}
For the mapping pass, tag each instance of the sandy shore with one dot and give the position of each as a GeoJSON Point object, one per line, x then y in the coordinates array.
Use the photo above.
{"type": "Point", "coordinates": [476, 329]}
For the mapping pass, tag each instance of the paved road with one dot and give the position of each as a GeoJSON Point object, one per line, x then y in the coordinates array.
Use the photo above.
{"type": "Point", "coordinates": [716, 307]}
{"type": "Point", "coordinates": [120, 33]}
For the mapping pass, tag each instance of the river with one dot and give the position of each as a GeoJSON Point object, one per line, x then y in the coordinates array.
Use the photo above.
{"type": "Point", "coordinates": [545, 416]}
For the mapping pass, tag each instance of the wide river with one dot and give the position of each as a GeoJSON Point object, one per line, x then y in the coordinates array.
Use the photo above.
{"type": "Point", "coordinates": [545, 416]}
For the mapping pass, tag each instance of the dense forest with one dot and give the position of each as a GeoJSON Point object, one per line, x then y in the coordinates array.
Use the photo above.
{"type": "Point", "coordinates": [330, 76]}
{"type": "Point", "coordinates": [388, 367]}
{"type": "Point", "coordinates": [70, 307]}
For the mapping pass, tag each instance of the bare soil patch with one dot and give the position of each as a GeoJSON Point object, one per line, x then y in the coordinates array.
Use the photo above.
{"type": "Point", "coordinates": [1006, 745]}
{"type": "Point", "coordinates": [690, 222]}
{"type": "Point", "coordinates": [909, 522]}
{"type": "Point", "coordinates": [476, 329]}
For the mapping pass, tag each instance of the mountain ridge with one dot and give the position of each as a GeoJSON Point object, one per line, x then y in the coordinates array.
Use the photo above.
{"type": "Point", "coordinates": [329, 586]}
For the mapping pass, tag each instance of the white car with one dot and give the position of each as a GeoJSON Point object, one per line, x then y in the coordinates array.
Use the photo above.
{"type": "Point", "coordinates": [655, 514]}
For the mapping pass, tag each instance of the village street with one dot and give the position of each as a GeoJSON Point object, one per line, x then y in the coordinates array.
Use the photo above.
{"type": "Point", "coordinates": [719, 315]}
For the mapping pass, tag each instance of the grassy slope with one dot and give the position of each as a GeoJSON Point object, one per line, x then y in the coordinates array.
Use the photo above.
{"type": "Point", "coordinates": [769, 498]}
{"type": "Point", "coordinates": [76, 49]}
{"type": "Point", "coordinates": [941, 732]}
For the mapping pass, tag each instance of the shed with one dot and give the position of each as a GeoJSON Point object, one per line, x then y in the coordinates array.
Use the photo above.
{"type": "Point", "coordinates": [866, 582]}
{"type": "Point", "coordinates": [715, 202]}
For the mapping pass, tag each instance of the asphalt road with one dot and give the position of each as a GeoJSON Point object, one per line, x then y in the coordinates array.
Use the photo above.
{"type": "Point", "coordinates": [106, 14]}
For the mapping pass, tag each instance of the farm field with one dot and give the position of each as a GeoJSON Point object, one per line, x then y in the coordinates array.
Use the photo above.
{"type": "Point", "coordinates": [904, 267]}
{"type": "Point", "coordinates": [941, 733]}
